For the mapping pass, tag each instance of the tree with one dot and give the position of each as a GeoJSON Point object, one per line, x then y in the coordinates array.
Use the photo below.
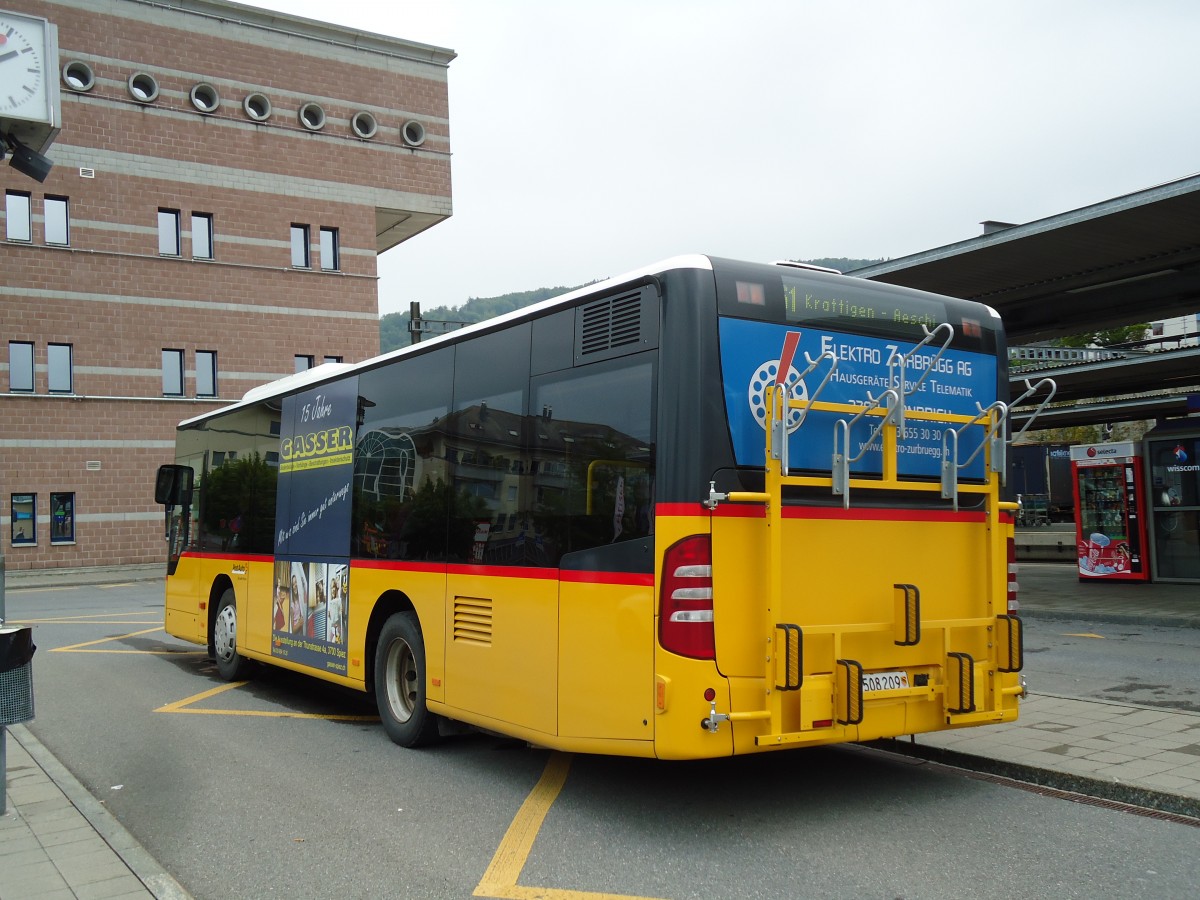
{"type": "Point", "coordinates": [393, 327]}
{"type": "Point", "coordinates": [841, 263]}
{"type": "Point", "coordinates": [1108, 337]}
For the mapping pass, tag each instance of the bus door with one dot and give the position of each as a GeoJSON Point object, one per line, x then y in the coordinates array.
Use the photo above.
{"type": "Point", "coordinates": [175, 489]}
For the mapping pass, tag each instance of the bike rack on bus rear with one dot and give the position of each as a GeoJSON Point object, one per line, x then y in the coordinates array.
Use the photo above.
{"type": "Point", "coordinates": [784, 667]}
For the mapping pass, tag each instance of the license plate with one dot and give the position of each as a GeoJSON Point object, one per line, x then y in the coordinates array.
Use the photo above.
{"type": "Point", "coordinates": [884, 681]}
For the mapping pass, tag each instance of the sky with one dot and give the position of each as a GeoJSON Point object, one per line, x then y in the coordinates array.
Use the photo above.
{"type": "Point", "coordinates": [589, 139]}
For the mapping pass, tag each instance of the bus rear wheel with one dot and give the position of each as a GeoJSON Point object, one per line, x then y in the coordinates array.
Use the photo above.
{"type": "Point", "coordinates": [231, 665]}
{"type": "Point", "coordinates": [400, 682]}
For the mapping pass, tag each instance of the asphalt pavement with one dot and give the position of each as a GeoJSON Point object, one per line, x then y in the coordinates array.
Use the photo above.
{"type": "Point", "coordinates": [57, 840]}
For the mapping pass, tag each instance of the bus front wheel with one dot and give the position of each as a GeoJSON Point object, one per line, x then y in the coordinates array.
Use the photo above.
{"type": "Point", "coordinates": [231, 665]}
{"type": "Point", "coordinates": [400, 682]}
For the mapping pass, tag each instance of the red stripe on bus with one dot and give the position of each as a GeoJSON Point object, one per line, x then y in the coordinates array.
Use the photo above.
{"type": "Point", "coordinates": [791, 341]}
{"type": "Point", "coordinates": [639, 579]}
{"type": "Point", "coordinates": [755, 511]}
{"type": "Point", "coordinates": [680, 509]}
{"type": "Point", "coordinates": [883, 515]}
{"type": "Point", "coordinates": [540, 574]}
{"type": "Point", "coordinates": [228, 557]}
{"type": "Point", "coordinates": [394, 566]}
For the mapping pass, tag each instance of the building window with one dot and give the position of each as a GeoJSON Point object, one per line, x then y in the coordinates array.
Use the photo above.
{"type": "Point", "coordinates": [202, 236]}
{"type": "Point", "coordinates": [329, 249]}
{"type": "Point", "coordinates": [79, 76]}
{"type": "Point", "coordinates": [143, 87]}
{"type": "Point", "coordinates": [168, 232]}
{"type": "Point", "coordinates": [303, 363]}
{"type": "Point", "coordinates": [206, 373]}
{"type": "Point", "coordinates": [257, 107]}
{"type": "Point", "coordinates": [312, 116]}
{"type": "Point", "coordinates": [24, 519]}
{"type": "Point", "coordinates": [20, 367]}
{"type": "Point", "coordinates": [62, 518]}
{"type": "Point", "coordinates": [205, 97]}
{"type": "Point", "coordinates": [333, 359]}
{"type": "Point", "coordinates": [172, 372]}
{"type": "Point", "coordinates": [60, 368]}
{"type": "Point", "coordinates": [300, 258]}
{"type": "Point", "coordinates": [57, 221]}
{"type": "Point", "coordinates": [16, 211]}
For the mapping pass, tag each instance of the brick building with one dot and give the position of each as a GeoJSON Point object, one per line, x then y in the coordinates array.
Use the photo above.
{"type": "Point", "coordinates": [223, 182]}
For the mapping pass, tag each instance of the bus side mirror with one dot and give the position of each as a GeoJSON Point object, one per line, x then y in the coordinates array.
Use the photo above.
{"type": "Point", "coordinates": [173, 485]}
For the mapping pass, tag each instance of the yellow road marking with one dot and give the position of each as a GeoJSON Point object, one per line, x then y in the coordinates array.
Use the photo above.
{"type": "Point", "coordinates": [133, 652]}
{"type": "Point", "coordinates": [196, 698]}
{"type": "Point", "coordinates": [74, 648]}
{"type": "Point", "coordinates": [1098, 637]}
{"type": "Point", "coordinates": [93, 619]}
{"type": "Point", "coordinates": [185, 706]}
{"type": "Point", "coordinates": [71, 587]}
{"type": "Point", "coordinates": [500, 879]}
{"type": "Point", "coordinates": [157, 622]}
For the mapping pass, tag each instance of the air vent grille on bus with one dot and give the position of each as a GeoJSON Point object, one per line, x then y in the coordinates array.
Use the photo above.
{"type": "Point", "coordinates": [473, 620]}
{"type": "Point", "coordinates": [611, 323]}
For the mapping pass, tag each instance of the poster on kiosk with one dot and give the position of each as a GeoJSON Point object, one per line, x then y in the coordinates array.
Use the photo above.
{"type": "Point", "coordinates": [1110, 529]}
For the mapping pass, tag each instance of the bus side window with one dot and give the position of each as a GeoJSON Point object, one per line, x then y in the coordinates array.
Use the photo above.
{"type": "Point", "coordinates": [486, 429]}
{"type": "Point", "coordinates": [401, 461]}
{"type": "Point", "coordinates": [594, 482]}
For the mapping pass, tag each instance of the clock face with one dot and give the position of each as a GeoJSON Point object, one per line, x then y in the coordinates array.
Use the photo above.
{"type": "Point", "coordinates": [22, 67]}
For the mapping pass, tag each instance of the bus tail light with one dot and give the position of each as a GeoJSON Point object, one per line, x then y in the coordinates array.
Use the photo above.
{"type": "Point", "coordinates": [686, 599]}
{"type": "Point", "coordinates": [1014, 605]}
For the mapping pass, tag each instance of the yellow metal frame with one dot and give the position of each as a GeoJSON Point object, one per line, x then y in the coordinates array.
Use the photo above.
{"type": "Point", "coordinates": [779, 405]}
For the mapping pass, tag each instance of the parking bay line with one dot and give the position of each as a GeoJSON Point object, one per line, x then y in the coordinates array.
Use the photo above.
{"type": "Point", "coordinates": [500, 878]}
{"type": "Point", "coordinates": [81, 648]}
{"type": "Point", "coordinates": [186, 706]}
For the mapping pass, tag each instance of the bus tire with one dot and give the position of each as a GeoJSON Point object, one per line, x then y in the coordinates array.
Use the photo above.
{"type": "Point", "coordinates": [231, 665]}
{"type": "Point", "coordinates": [400, 682]}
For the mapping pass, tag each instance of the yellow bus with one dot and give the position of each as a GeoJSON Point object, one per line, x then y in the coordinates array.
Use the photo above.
{"type": "Point", "coordinates": [704, 509]}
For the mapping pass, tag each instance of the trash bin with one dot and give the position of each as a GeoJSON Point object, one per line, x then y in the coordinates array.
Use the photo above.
{"type": "Point", "coordinates": [16, 675]}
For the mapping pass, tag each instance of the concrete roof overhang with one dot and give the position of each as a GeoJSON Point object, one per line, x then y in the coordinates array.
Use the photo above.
{"type": "Point", "coordinates": [1147, 387]}
{"type": "Point", "coordinates": [1133, 258]}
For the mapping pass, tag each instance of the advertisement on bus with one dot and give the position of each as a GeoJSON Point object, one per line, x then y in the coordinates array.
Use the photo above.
{"type": "Point", "coordinates": [955, 382]}
{"type": "Point", "coordinates": [312, 526]}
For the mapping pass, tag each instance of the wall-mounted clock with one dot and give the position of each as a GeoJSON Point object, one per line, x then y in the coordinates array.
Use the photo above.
{"type": "Point", "coordinates": [29, 95]}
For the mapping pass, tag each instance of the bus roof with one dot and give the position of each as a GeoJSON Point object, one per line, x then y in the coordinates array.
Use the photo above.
{"type": "Point", "coordinates": [331, 371]}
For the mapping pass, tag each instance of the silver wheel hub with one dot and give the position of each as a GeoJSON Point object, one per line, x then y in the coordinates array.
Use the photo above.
{"type": "Point", "coordinates": [225, 633]}
{"type": "Point", "coordinates": [401, 681]}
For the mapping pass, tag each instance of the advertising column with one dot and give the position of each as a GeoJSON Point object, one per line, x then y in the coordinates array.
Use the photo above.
{"type": "Point", "coordinates": [1110, 521]}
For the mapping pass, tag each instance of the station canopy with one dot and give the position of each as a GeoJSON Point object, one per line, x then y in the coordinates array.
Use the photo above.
{"type": "Point", "coordinates": [1131, 259]}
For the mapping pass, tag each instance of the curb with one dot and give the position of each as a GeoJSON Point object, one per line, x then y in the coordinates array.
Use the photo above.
{"type": "Point", "coordinates": [26, 579]}
{"type": "Point", "coordinates": [147, 870]}
{"type": "Point", "coordinates": [1048, 778]}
